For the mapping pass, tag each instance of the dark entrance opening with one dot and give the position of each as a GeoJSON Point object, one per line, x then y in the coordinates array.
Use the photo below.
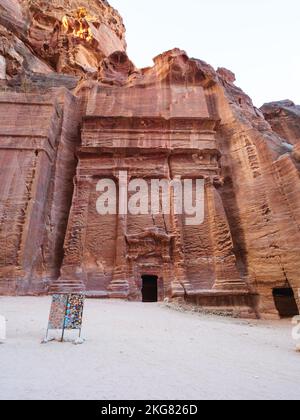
{"type": "Point", "coordinates": [150, 289]}
{"type": "Point", "coordinates": [285, 302]}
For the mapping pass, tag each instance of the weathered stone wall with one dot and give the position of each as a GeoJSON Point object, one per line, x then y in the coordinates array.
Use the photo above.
{"type": "Point", "coordinates": [262, 206]}
{"type": "Point", "coordinates": [157, 126]}
{"type": "Point", "coordinates": [38, 136]}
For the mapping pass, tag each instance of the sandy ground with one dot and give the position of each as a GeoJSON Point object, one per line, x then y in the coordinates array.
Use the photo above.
{"type": "Point", "coordinates": [146, 351]}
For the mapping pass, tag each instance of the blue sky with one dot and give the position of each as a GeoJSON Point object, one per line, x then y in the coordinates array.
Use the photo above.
{"type": "Point", "coordinates": [257, 39]}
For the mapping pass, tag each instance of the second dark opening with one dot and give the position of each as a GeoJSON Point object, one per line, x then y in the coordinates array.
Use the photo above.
{"type": "Point", "coordinates": [150, 289]}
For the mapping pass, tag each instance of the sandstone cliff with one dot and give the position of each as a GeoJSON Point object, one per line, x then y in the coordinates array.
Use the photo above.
{"type": "Point", "coordinates": [39, 37]}
{"type": "Point", "coordinates": [179, 117]}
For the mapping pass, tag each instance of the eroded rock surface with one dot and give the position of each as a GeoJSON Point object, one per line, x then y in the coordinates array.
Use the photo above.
{"type": "Point", "coordinates": [38, 36]}
{"type": "Point", "coordinates": [284, 118]}
{"type": "Point", "coordinates": [74, 106]}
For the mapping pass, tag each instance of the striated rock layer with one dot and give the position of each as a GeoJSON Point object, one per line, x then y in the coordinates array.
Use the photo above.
{"type": "Point", "coordinates": [75, 110]}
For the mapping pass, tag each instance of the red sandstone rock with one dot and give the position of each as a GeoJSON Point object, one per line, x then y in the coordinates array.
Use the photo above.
{"type": "Point", "coordinates": [178, 118]}
{"type": "Point", "coordinates": [38, 137]}
{"type": "Point", "coordinates": [64, 36]}
{"type": "Point", "coordinates": [226, 75]}
{"type": "Point", "coordinates": [284, 118]}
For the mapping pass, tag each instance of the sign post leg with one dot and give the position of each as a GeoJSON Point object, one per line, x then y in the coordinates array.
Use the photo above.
{"type": "Point", "coordinates": [62, 335]}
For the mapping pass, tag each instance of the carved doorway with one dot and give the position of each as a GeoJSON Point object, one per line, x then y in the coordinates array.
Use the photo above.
{"type": "Point", "coordinates": [285, 302]}
{"type": "Point", "coordinates": [150, 289]}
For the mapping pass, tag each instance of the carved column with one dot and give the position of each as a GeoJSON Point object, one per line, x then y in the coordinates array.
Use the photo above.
{"type": "Point", "coordinates": [73, 276]}
{"type": "Point", "coordinates": [180, 284]}
{"type": "Point", "coordinates": [119, 286]}
{"type": "Point", "coordinates": [226, 273]}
